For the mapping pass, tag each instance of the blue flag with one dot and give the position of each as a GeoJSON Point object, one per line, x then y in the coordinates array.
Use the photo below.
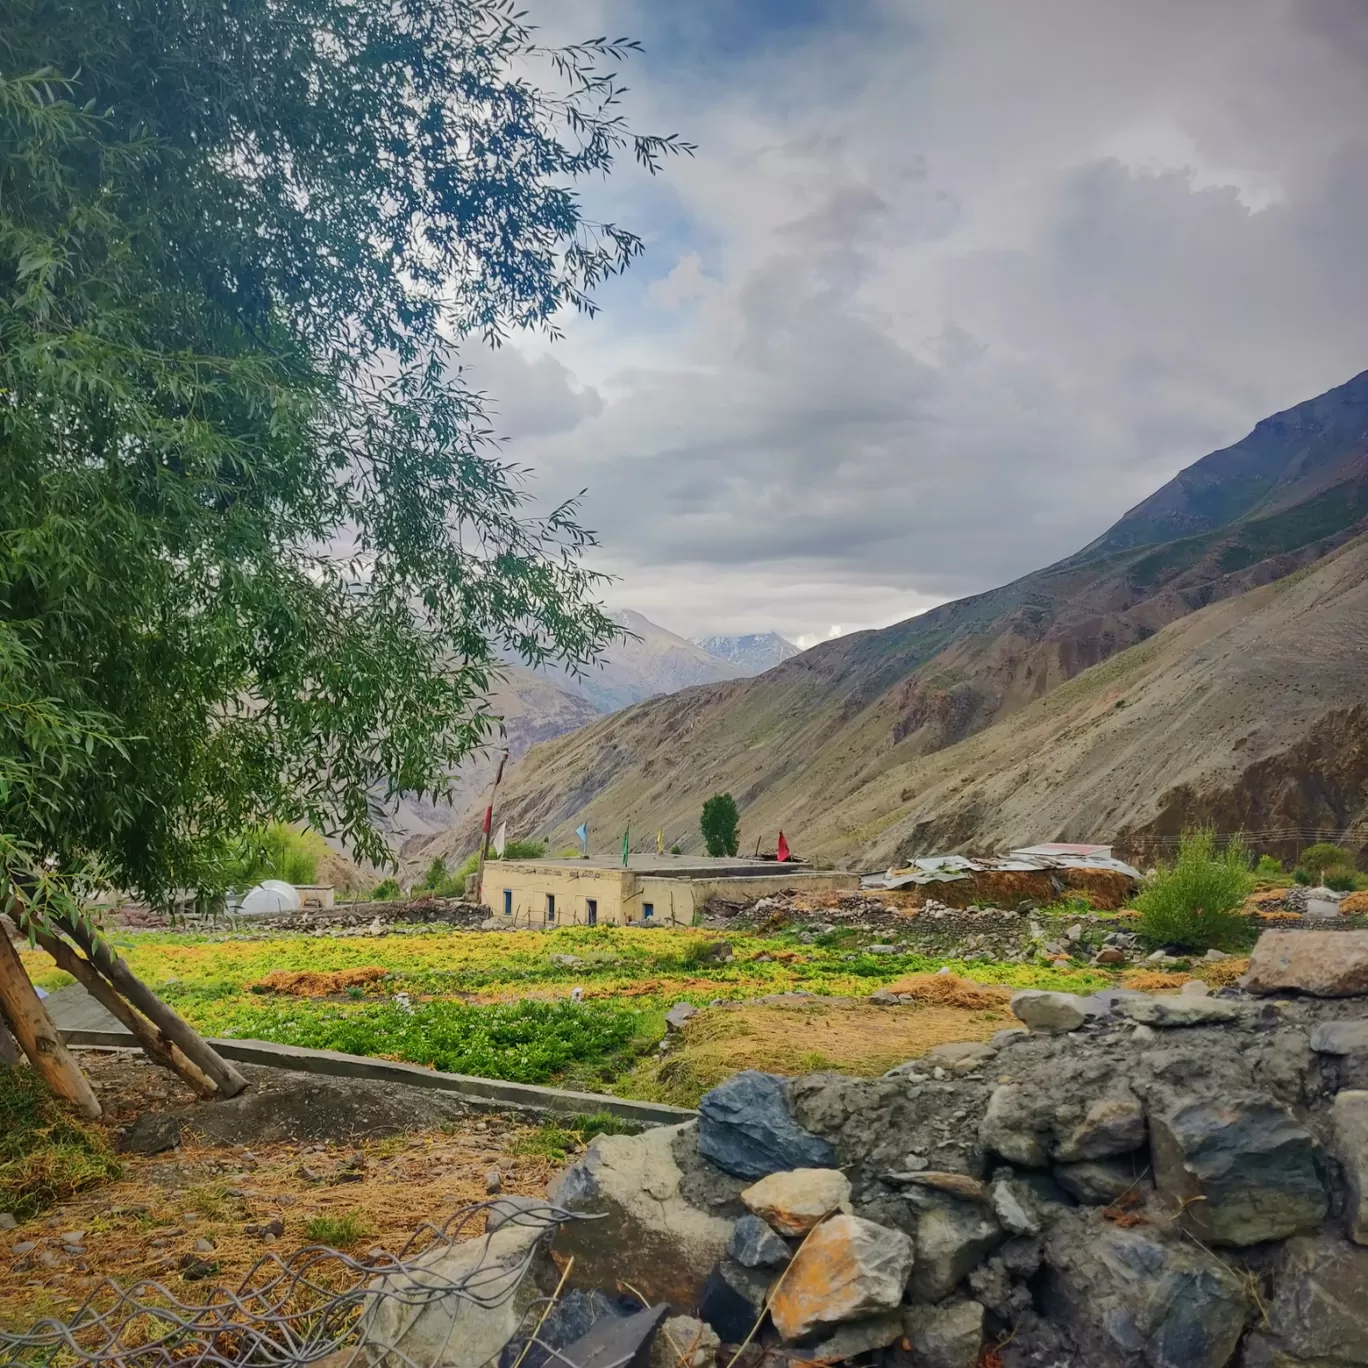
{"type": "Point", "coordinates": [582, 831]}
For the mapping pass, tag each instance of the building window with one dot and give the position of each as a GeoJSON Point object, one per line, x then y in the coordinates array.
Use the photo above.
{"type": "Point", "coordinates": [508, 902]}
{"type": "Point", "coordinates": [550, 907]}
{"type": "Point", "coordinates": [647, 911]}
{"type": "Point", "coordinates": [591, 911]}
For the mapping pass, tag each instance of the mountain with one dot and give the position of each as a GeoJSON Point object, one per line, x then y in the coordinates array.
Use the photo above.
{"type": "Point", "coordinates": [752, 655]}
{"type": "Point", "coordinates": [845, 746]}
{"type": "Point", "coordinates": [650, 661]}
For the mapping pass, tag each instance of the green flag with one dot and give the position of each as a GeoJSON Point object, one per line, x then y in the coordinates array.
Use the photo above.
{"type": "Point", "coordinates": [625, 834]}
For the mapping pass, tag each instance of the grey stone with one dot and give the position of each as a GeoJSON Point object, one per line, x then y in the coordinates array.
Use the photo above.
{"type": "Point", "coordinates": [1100, 1182]}
{"type": "Point", "coordinates": [493, 1182]}
{"type": "Point", "coordinates": [733, 1299]}
{"type": "Point", "coordinates": [855, 1337]}
{"type": "Point", "coordinates": [1111, 1125]}
{"type": "Point", "coordinates": [679, 1014]}
{"type": "Point", "coordinates": [1044, 1011]}
{"type": "Point", "coordinates": [651, 1227]}
{"type": "Point", "coordinates": [1316, 1318]}
{"type": "Point", "coordinates": [7, 1220]}
{"type": "Point", "coordinates": [961, 1057]}
{"type": "Point", "coordinates": [1194, 988]}
{"type": "Point", "coordinates": [881, 949]}
{"type": "Point", "coordinates": [745, 1128]}
{"type": "Point", "coordinates": [1015, 1209]}
{"type": "Point", "coordinates": [1349, 1119]}
{"type": "Point", "coordinates": [1009, 1035]}
{"type": "Point", "coordinates": [794, 1201]}
{"type": "Point", "coordinates": [1003, 1132]}
{"type": "Point", "coordinates": [1340, 1037]}
{"type": "Point", "coordinates": [952, 1237]}
{"type": "Point", "coordinates": [754, 1245]}
{"type": "Point", "coordinates": [1129, 1297]}
{"type": "Point", "coordinates": [1240, 1169]}
{"type": "Point", "coordinates": [685, 1342]}
{"type": "Point", "coordinates": [946, 1336]}
{"type": "Point", "coordinates": [1180, 1011]}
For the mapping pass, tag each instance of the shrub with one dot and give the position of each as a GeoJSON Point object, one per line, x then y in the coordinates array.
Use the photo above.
{"type": "Point", "coordinates": [276, 851]}
{"type": "Point", "coordinates": [1342, 883]}
{"type": "Point", "coordinates": [675, 850]}
{"type": "Point", "coordinates": [46, 1154]}
{"type": "Point", "coordinates": [1194, 903]}
{"type": "Point", "coordinates": [1268, 867]}
{"type": "Point", "coordinates": [1324, 860]}
{"type": "Point", "coordinates": [385, 890]}
{"type": "Point", "coordinates": [436, 874]}
{"type": "Point", "coordinates": [719, 824]}
{"type": "Point", "coordinates": [1300, 876]}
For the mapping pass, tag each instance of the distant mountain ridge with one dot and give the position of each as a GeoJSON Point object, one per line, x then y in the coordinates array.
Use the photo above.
{"type": "Point", "coordinates": [752, 654]}
{"type": "Point", "coordinates": [831, 745]}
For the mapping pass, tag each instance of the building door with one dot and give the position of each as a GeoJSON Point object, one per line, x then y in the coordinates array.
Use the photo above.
{"type": "Point", "coordinates": [591, 911]}
{"type": "Point", "coordinates": [550, 907]}
{"type": "Point", "coordinates": [508, 902]}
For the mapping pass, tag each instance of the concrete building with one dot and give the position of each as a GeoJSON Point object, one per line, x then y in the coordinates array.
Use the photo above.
{"type": "Point", "coordinates": [657, 889]}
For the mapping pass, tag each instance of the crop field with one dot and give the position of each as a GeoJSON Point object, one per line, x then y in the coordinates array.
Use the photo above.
{"type": "Point", "coordinates": [505, 1005]}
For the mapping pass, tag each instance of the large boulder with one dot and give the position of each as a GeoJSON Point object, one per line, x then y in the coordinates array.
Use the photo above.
{"type": "Point", "coordinates": [1318, 1317]}
{"type": "Point", "coordinates": [1324, 963]}
{"type": "Point", "coordinates": [1045, 1011]}
{"type": "Point", "coordinates": [1031, 1126]}
{"type": "Point", "coordinates": [1131, 1299]}
{"type": "Point", "coordinates": [946, 1336]}
{"type": "Point", "coordinates": [952, 1237]}
{"type": "Point", "coordinates": [1241, 1170]}
{"type": "Point", "coordinates": [1349, 1118]}
{"type": "Point", "coordinates": [745, 1127]}
{"type": "Point", "coordinates": [1185, 1010]}
{"type": "Point", "coordinates": [635, 1182]}
{"type": "Point", "coordinates": [794, 1201]}
{"type": "Point", "coordinates": [848, 1269]}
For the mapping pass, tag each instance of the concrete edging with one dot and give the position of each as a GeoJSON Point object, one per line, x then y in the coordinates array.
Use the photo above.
{"type": "Point", "coordinates": [489, 1094]}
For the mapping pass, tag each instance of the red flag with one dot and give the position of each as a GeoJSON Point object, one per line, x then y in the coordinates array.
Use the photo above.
{"type": "Point", "coordinates": [783, 847]}
{"type": "Point", "coordinates": [489, 815]}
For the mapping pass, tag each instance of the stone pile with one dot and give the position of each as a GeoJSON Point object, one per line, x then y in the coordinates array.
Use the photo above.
{"type": "Point", "coordinates": [1123, 1181]}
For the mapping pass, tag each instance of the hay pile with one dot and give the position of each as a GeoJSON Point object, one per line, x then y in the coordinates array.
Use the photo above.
{"type": "Point", "coordinates": [311, 983]}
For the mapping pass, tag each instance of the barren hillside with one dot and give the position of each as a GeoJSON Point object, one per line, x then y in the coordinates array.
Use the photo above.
{"type": "Point", "coordinates": [885, 743]}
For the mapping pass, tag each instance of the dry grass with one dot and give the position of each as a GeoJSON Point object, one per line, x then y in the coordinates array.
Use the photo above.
{"type": "Point", "coordinates": [948, 990]}
{"type": "Point", "coordinates": [1355, 905]}
{"type": "Point", "coordinates": [1217, 975]}
{"type": "Point", "coordinates": [311, 983]}
{"type": "Point", "coordinates": [805, 1037]}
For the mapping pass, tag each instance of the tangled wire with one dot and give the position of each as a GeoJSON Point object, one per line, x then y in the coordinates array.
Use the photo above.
{"type": "Point", "coordinates": [291, 1312]}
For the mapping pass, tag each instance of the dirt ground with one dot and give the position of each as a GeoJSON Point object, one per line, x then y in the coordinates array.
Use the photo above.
{"type": "Point", "coordinates": [198, 1201]}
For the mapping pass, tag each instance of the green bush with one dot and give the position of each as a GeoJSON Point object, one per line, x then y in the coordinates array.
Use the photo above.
{"type": "Point", "coordinates": [719, 824]}
{"type": "Point", "coordinates": [1194, 903]}
{"type": "Point", "coordinates": [385, 891]}
{"type": "Point", "coordinates": [1342, 883]}
{"type": "Point", "coordinates": [1268, 867]}
{"type": "Point", "coordinates": [276, 852]}
{"type": "Point", "coordinates": [1322, 861]}
{"type": "Point", "coordinates": [46, 1155]}
{"type": "Point", "coordinates": [1301, 876]}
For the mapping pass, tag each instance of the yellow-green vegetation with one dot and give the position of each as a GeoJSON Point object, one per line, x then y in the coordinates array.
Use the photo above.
{"type": "Point", "coordinates": [277, 851]}
{"type": "Point", "coordinates": [337, 1232]}
{"type": "Point", "coordinates": [1195, 902]}
{"type": "Point", "coordinates": [46, 1154]}
{"type": "Point", "coordinates": [558, 1139]}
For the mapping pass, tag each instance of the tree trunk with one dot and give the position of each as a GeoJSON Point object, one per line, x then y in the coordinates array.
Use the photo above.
{"type": "Point", "coordinates": [112, 967]}
{"type": "Point", "coordinates": [156, 1046]}
{"type": "Point", "coordinates": [26, 1016]}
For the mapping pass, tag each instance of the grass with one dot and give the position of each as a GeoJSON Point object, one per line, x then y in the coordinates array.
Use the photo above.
{"type": "Point", "coordinates": [46, 1154]}
{"type": "Point", "coordinates": [558, 1139]}
{"type": "Point", "coordinates": [1195, 902]}
{"type": "Point", "coordinates": [337, 1232]}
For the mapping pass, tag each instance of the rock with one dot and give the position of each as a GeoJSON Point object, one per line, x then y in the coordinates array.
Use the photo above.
{"type": "Point", "coordinates": [1349, 1118]}
{"type": "Point", "coordinates": [745, 1128]}
{"type": "Point", "coordinates": [669, 1245]}
{"type": "Point", "coordinates": [1014, 1208]}
{"type": "Point", "coordinates": [1043, 1011]}
{"type": "Point", "coordinates": [679, 1014]}
{"type": "Point", "coordinates": [448, 1329]}
{"type": "Point", "coordinates": [1110, 954]}
{"type": "Point", "coordinates": [7, 1220]}
{"type": "Point", "coordinates": [490, 924]}
{"type": "Point", "coordinates": [1100, 1182]}
{"type": "Point", "coordinates": [1323, 963]}
{"type": "Point", "coordinates": [959, 1185]}
{"type": "Point", "coordinates": [881, 997]}
{"type": "Point", "coordinates": [1215, 956]}
{"type": "Point", "coordinates": [202, 1246]}
{"type": "Point", "coordinates": [1194, 988]}
{"type": "Point", "coordinates": [855, 1337]}
{"type": "Point", "coordinates": [952, 1237]}
{"type": "Point", "coordinates": [848, 1269]}
{"type": "Point", "coordinates": [716, 952]}
{"type": "Point", "coordinates": [1009, 1035]}
{"type": "Point", "coordinates": [1001, 1129]}
{"type": "Point", "coordinates": [755, 1245]}
{"type": "Point", "coordinates": [1129, 1297]}
{"type": "Point", "coordinates": [1316, 1317]}
{"type": "Point", "coordinates": [733, 1299]}
{"type": "Point", "coordinates": [945, 1336]}
{"type": "Point", "coordinates": [515, 1208]}
{"type": "Point", "coordinates": [1241, 1169]}
{"type": "Point", "coordinates": [493, 1182]}
{"type": "Point", "coordinates": [685, 1342]}
{"type": "Point", "coordinates": [1111, 1125]}
{"type": "Point", "coordinates": [75, 1237]}
{"type": "Point", "coordinates": [793, 1202]}
{"type": "Point", "coordinates": [961, 1057]}
{"type": "Point", "coordinates": [1179, 1011]}
{"type": "Point", "coordinates": [567, 961]}
{"type": "Point", "coordinates": [1340, 1038]}
{"type": "Point", "coordinates": [617, 1339]}
{"type": "Point", "coordinates": [881, 949]}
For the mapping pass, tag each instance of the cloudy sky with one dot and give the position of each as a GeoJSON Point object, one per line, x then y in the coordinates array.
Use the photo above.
{"type": "Point", "coordinates": [949, 286]}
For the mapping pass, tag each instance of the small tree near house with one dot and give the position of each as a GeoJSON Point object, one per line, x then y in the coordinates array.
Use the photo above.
{"type": "Point", "coordinates": [720, 825]}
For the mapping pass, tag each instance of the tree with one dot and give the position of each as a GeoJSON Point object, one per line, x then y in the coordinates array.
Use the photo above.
{"type": "Point", "coordinates": [719, 824]}
{"type": "Point", "coordinates": [259, 555]}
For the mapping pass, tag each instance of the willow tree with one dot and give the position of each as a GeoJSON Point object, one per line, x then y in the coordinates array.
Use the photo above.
{"type": "Point", "coordinates": [259, 553]}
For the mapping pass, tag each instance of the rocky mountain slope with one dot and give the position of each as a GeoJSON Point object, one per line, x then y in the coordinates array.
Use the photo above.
{"type": "Point", "coordinates": [855, 747]}
{"type": "Point", "coordinates": [752, 654]}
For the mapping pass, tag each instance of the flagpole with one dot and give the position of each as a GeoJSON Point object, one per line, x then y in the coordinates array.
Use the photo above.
{"type": "Point", "coordinates": [488, 823]}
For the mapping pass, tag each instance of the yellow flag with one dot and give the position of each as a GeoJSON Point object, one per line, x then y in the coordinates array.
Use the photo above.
{"type": "Point", "coordinates": [660, 841]}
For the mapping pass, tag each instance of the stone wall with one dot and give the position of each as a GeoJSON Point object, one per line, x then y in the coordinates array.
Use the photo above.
{"type": "Point", "coordinates": [1166, 1182]}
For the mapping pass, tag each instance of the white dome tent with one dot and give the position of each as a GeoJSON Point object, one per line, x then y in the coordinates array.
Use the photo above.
{"type": "Point", "coordinates": [269, 897]}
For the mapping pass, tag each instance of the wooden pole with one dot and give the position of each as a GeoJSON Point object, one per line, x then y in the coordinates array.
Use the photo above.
{"type": "Point", "coordinates": [26, 1016]}
{"type": "Point", "coordinates": [9, 1050]}
{"type": "Point", "coordinates": [488, 827]}
{"type": "Point", "coordinates": [155, 1045]}
{"type": "Point", "coordinates": [112, 967]}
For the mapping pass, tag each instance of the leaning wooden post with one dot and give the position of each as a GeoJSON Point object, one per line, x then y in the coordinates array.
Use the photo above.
{"type": "Point", "coordinates": [488, 825]}
{"type": "Point", "coordinates": [112, 967]}
{"type": "Point", "coordinates": [156, 1046]}
{"type": "Point", "coordinates": [9, 1049]}
{"type": "Point", "coordinates": [26, 1016]}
